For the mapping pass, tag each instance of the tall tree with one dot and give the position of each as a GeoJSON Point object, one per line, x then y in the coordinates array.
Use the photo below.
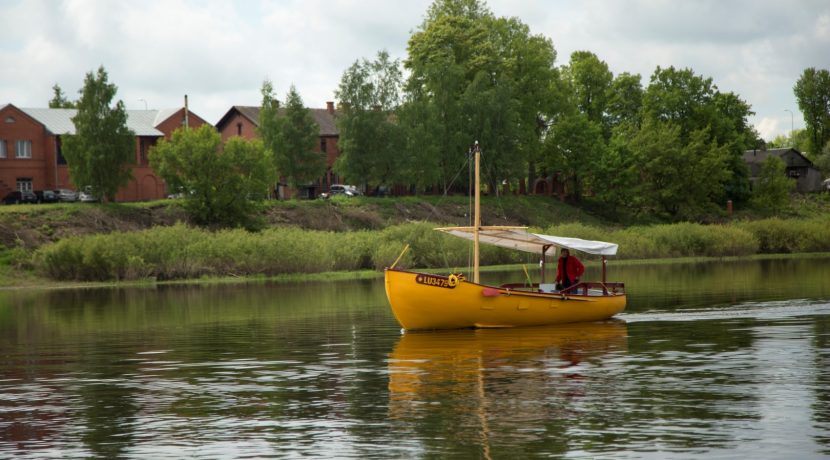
{"type": "Point", "coordinates": [681, 97]}
{"type": "Point", "coordinates": [675, 179]}
{"type": "Point", "coordinates": [693, 103]}
{"type": "Point", "coordinates": [59, 100]}
{"type": "Point", "coordinates": [217, 181]}
{"type": "Point", "coordinates": [590, 81]}
{"type": "Point", "coordinates": [299, 133]}
{"type": "Point", "coordinates": [624, 99]}
{"type": "Point", "coordinates": [812, 90]}
{"type": "Point", "coordinates": [270, 126]}
{"type": "Point", "coordinates": [773, 186]}
{"type": "Point", "coordinates": [480, 78]}
{"type": "Point", "coordinates": [371, 143]}
{"type": "Point", "coordinates": [102, 150]}
{"type": "Point", "coordinates": [574, 146]}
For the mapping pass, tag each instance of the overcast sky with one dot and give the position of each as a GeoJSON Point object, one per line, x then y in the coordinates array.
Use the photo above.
{"type": "Point", "coordinates": [219, 52]}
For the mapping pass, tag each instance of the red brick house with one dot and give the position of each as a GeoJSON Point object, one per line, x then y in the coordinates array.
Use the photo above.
{"type": "Point", "coordinates": [244, 120]}
{"type": "Point", "coordinates": [31, 158]}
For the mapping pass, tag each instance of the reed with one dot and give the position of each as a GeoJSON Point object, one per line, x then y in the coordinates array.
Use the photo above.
{"type": "Point", "coordinates": [776, 236]}
{"type": "Point", "coordinates": [182, 252]}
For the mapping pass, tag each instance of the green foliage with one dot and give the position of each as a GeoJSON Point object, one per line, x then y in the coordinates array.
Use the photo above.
{"type": "Point", "coordinates": [59, 100]}
{"type": "Point", "coordinates": [298, 161]}
{"type": "Point", "coordinates": [574, 146]}
{"type": "Point", "coordinates": [823, 161]}
{"type": "Point", "coordinates": [474, 76]}
{"type": "Point", "coordinates": [668, 240]}
{"type": "Point", "coordinates": [590, 81]}
{"type": "Point", "coordinates": [178, 251]}
{"type": "Point", "coordinates": [269, 129]}
{"type": "Point", "coordinates": [101, 153]}
{"type": "Point", "coordinates": [371, 142]}
{"type": "Point", "coordinates": [777, 235]}
{"type": "Point", "coordinates": [688, 239]}
{"type": "Point", "coordinates": [812, 90]}
{"type": "Point", "coordinates": [625, 99]}
{"type": "Point", "coordinates": [773, 187]}
{"type": "Point", "coordinates": [218, 182]}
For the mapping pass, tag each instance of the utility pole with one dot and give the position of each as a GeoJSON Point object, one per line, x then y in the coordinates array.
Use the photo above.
{"type": "Point", "coordinates": [791, 126]}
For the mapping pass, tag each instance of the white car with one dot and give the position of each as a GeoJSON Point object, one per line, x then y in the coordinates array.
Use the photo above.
{"type": "Point", "coordinates": [86, 196]}
{"type": "Point", "coordinates": [339, 189]}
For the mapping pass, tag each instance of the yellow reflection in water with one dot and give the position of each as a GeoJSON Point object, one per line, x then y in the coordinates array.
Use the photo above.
{"type": "Point", "coordinates": [471, 376]}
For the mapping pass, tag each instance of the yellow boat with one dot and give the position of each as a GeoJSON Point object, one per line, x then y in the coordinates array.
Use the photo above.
{"type": "Point", "coordinates": [430, 301]}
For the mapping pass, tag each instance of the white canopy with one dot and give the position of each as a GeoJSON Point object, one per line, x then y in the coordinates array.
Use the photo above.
{"type": "Point", "coordinates": [520, 239]}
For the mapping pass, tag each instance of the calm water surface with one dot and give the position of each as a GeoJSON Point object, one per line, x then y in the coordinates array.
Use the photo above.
{"type": "Point", "coordinates": [719, 359]}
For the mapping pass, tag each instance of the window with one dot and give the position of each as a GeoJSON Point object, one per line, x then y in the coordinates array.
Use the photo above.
{"type": "Point", "coordinates": [59, 147]}
{"type": "Point", "coordinates": [239, 129]}
{"type": "Point", "coordinates": [323, 145]}
{"type": "Point", "coordinates": [23, 149]}
{"type": "Point", "coordinates": [142, 152]}
{"type": "Point", "coordinates": [24, 184]}
{"type": "Point", "coordinates": [3, 148]}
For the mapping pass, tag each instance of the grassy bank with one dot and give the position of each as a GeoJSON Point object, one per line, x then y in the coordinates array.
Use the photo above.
{"type": "Point", "coordinates": [183, 252]}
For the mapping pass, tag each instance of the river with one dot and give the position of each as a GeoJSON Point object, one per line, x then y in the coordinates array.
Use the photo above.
{"type": "Point", "coordinates": [724, 359]}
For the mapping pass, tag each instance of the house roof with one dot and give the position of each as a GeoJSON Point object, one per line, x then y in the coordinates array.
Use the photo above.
{"type": "Point", "coordinates": [142, 122]}
{"type": "Point", "coordinates": [324, 119]}
{"type": "Point", "coordinates": [758, 156]}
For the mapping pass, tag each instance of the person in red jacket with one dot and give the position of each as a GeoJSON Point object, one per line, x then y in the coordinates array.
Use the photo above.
{"type": "Point", "coordinates": [569, 270]}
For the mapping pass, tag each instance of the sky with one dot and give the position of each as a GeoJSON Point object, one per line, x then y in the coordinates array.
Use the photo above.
{"type": "Point", "coordinates": [219, 52]}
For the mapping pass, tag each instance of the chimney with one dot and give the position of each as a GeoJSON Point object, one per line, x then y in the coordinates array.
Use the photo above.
{"type": "Point", "coordinates": [330, 107]}
{"type": "Point", "coordinates": [186, 115]}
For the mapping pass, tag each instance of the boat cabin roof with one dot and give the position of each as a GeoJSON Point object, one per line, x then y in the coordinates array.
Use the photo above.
{"type": "Point", "coordinates": [520, 239]}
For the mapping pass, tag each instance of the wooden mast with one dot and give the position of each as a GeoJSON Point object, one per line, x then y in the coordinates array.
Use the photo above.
{"type": "Point", "coordinates": [477, 216]}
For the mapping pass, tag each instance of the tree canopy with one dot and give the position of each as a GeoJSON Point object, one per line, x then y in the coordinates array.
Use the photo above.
{"type": "Point", "coordinates": [59, 99]}
{"type": "Point", "coordinates": [101, 153]}
{"type": "Point", "coordinates": [474, 76]}
{"type": "Point", "coordinates": [371, 141]}
{"type": "Point", "coordinates": [812, 90]}
{"type": "Point", "coordinates": [290, 135]}
{"type": "Point", "coordinates": [219, 183]}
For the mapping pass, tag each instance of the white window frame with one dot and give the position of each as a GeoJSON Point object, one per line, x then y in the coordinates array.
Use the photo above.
{"type": "Point", "coordinates": [23, 149]}
{"type": "Point", "coordinates": [24, 184]}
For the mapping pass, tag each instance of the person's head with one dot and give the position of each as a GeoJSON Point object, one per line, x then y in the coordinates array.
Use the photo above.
{"type": "Point", "coordinates": [566, 253]}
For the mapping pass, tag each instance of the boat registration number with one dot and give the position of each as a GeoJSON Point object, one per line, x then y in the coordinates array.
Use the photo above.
{"type": "Point", "coordinates": [437, 281]}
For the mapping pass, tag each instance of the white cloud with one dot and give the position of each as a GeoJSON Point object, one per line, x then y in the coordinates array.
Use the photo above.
{"type": "Point", "coordinates": [219, 52]}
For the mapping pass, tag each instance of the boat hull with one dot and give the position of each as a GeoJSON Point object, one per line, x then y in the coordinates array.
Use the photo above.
{"type": "Point", "coordinates": [425, 301]}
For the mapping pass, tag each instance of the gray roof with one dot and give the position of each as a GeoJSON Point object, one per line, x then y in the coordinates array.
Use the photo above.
{"type": "Point", "coordinates": [59, 121]}
{"type": "Point", "coordinates": [758, 156]}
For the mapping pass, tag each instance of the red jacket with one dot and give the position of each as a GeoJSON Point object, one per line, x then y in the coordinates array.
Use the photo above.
{"type": "Point", "coordinates": [575, 269]}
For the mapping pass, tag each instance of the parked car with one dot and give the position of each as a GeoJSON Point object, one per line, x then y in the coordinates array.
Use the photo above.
{"type": "Point", "coordinates": [65, 194]}
{"type": "Point", "coordinates": [339, 189]}
{"type": "Point", "coordinates": [20, 197]}
{"type": "Point", "coordinates": [86, 196]}
{"type": "Point", "coordinates": [46, 196]}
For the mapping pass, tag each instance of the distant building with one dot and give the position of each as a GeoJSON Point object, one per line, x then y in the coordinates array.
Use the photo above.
{"type": "Point", "coordinates": [31, 156]}
{"type": "Point", "coordinates": [243, 121]}
{"type": "Point", "coordinates": [799, 167]}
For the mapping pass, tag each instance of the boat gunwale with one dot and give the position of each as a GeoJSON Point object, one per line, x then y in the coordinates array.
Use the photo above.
{"type": "Point", "coordinates": [516, 292]}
